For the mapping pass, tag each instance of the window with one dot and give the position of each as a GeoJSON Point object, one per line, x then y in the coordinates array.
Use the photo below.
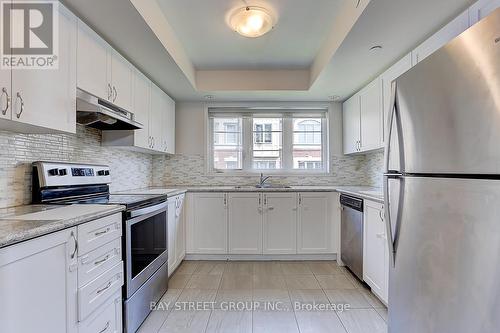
{"type": "Point", "coordinates": [227, 143]}
{"type": "Point", "coordinates": [256, 141]}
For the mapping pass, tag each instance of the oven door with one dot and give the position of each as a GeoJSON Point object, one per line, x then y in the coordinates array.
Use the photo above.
{"type": "Point", "coordinates": [145, 244]}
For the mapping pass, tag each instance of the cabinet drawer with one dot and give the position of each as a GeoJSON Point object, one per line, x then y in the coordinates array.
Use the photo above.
{"type": "Point", "coordinates": [107, 319]}
{"type": "Point", "coordinates": [96, 262]}
{"type": "Point", "coordinates": [94, 294]}
{"type": "Point", "coordinates": [95, 234]}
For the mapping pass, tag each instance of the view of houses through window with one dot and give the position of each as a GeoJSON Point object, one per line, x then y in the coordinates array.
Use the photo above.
{"type": "Point", "coordinates": [255, 143]}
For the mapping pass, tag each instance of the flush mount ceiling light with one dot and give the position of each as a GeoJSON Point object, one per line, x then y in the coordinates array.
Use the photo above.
{"type": "Point", "coordinates": [251, 21]}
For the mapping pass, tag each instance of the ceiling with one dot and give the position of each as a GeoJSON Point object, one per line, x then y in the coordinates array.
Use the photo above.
{"type": "Point", "coordinates": [210, 44]}
{"type": "Point", "coordinates": [313, 52]}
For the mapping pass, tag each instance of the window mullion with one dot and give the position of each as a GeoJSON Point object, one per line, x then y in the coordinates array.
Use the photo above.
{"type": "Point", "coordinates": [287, 144]}
{"type": "Point", "coordinates": [247, 144]}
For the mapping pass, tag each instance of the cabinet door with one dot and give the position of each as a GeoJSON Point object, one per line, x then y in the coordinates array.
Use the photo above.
{"type": "Point", "coordinates": [47, 98]}
{"type": "Point", "coordinates": [34, 273]}
{"type": "Point", "coordinates": [5, 91]}
{"type": "Point", "coordinates": [375, 252]}
{"type": "Point", "coordinates": [481, 9]}
{"type": "Point", "coordinates": [207, 223]}
{"type": "Point", "coordinates": [440, 38]}
{"type": "Point", "coordinates": [180, 240]}
{"type": "Point", "coordinates": [245, 223]}
{"type": "Point", "coordinates": [314, 232]}
{"type": "Point", "coordinates": [371, 116]}
{"type": "Point", "coordinates": [172, 234]}
{"type": "Point", "coordinates": [157, 117]}
{"type": "Point", "coordinates": [280, 223]}
{"type": "Point", "coordinates": [351, 122]}
{"type": "Point", "coordinates": [142, 107]}
{"type": "Point", "coordinates": [387, 78]}
{"type": "Point", "coordinates": [169, 126]}
{"type": "Point", "coordinates": [122, 81]}
{"type": "Point", "coordinates": [93, 67]}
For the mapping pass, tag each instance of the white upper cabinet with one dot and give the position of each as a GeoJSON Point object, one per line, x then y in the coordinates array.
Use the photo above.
{"type": "Point", "coordinates": [169, 124]}
{"type": "Point", "coordinates": [440, 38]}
{"type": "Point", "coordinates": [314, 232]}
{"type": "Point", "coordinates": [245, 223]}
{"type": "Point", "coordinates": [351, 119]}
{"type": "Point", "coordinates": [157, 118]}
{"type": "Point", "coordinates": [102, 71]}
{"type": "Point", "coordinates": [94, 68]}
{"type": "Point", "coordinates": [43, 100]}
{"type": "Point", "coordinates": [375, 250]}
{"type": "Point", "coordinates": [481, 9]}
{"type": "Point", "coordinates": [280, 223]}
{"type": "Point", "coordinates": [142, 109]}
{"type": "Point", "coordinates": [33, 273]}
{"type": "Point", "coordinates": [387, 78]}
{"type": "Point", "coordinates": [371, 116]}
{"type": "Point", "coordinates": [122, 82]}
{"type": "Point", "coordinates": [207, 223]}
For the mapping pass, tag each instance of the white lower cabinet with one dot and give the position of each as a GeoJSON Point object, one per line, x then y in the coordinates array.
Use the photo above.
{"type": "Point", "coordinates": [375, 250]}
{"type": "Point", "coordinates": [245, 223]}
{"type": "Point", "coordinates": [314, 232]}
{"type": "Point", "coordinates": [107, 318]}
{"type": "Point", "coordinates": [252, 223]}
{"type": "Point", "coordinates": [38, 284]}
{"type": "Point", "coordinates": [176, 233]}
{"type": "Point", "coordinates": [280, 223]}
{"type": "Point", "coordinates": [206, 226]}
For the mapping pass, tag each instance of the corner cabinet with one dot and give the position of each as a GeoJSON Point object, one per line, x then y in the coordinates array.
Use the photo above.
{"type": "Point", "coordinates": [43, 100]}
{"type": "Point", "coordinates": [375, 250]}
{"type": "Point", "coordinates": [34, 272]}
{"type": "Point", "coordinates": [206, 227]}
{"type": "Point", "coordinates": [362, 120]}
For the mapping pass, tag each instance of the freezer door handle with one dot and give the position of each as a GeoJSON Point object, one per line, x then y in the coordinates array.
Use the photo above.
{"type": "Point", "coordinates": [388, 219]}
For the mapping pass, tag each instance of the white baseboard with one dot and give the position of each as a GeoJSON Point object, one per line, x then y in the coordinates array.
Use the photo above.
{"type": "Point", "coordinates": [261, 257]}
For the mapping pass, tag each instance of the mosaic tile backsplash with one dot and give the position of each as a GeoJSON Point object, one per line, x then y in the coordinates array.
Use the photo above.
{"type": "Point", "coordinates": [128, 169]}
{"type": "Point", "coordinates": [345, 170]}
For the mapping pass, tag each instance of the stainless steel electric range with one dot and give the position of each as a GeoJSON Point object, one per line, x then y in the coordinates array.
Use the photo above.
{"type": "Point", "coordinates": [144, 224]}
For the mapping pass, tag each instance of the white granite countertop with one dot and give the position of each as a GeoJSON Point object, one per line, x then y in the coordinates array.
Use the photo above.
{"type": "Point", "coordinates": [18, 224]}
{"type": "Point", "coordinates": [365, 192]}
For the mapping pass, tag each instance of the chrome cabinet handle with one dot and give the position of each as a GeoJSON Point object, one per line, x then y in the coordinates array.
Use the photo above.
{"type": "Point", "coordinates": [105, 288]}
{"type": "Point", "coordinates": [105, 328]}
{"type": "Point", "coordinates": [76, 245]}
{"type": "Point", "coordinates": [116, 93]}
{"type": "Point", "coordinates": [102, 260]}
{"type": "Point", "coordinates": [110, 92]}
{"type": "Point", "coordinates": [4, 92]}
{"type": "Point", "coordinates": [18, 115]}
{"type": "Point", "coordinates": [99, 233]}
{"type": "Point", "coordinates": [270, 208]}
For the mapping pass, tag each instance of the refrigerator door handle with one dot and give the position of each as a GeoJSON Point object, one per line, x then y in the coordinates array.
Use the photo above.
{"type": "Point", "coordinates": [390, 121]}
{"type": "Point", "coordinates": [388, 219]}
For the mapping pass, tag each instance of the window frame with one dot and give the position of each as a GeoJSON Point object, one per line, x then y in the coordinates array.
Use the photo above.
{"type": "Point", "coordinates": [287, 144]}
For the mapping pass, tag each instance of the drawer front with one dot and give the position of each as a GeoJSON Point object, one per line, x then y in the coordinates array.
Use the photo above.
{"type": "Point", "coordinates": [96, 233]}
{"type": "Point", "coordinates": [96, 262]}
{"type": "Point", "coordinates": [107, 318]}
{"type": "Point", "coordinates": [96, 293]}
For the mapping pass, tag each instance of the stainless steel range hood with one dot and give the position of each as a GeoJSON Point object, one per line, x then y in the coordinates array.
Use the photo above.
{"type": "Point", "coordinates": [98, 113]}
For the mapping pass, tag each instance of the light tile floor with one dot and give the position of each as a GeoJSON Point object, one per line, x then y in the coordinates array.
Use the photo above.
{"type": "Point", "coordinates": [284, 284]}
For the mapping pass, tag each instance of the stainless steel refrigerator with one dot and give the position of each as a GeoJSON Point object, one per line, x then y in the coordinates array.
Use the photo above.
{"type": "Point", "coordinates": [442, 188]}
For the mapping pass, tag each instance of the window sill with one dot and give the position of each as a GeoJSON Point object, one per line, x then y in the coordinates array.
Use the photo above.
{"type": "Point", "coordinates": [268, 173]}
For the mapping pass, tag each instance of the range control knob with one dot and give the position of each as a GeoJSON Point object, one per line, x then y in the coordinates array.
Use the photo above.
{"type": "Point", "coordinates": [63, 172]}
{"type": "Point", "coordinates": [100, 173]}
{"type": "Point", "coordinates": [106, 172]}
{"type": "Point", "coordinates": [53, 172]}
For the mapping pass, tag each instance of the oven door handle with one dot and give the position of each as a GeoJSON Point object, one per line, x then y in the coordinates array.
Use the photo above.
{"type": "Point", "coordinates": [148, 210]}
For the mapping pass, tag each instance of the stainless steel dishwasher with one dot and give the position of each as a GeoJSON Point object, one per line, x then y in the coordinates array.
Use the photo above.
{"type": "Point", "coordinates": [351, 231]}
